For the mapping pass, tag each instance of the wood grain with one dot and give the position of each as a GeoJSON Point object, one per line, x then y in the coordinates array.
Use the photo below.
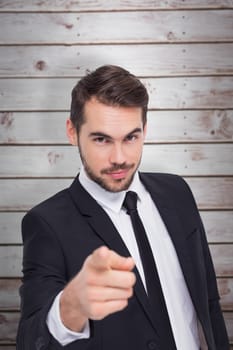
{"type": "Point", "coordinates": [147, 60]}
{"type": "Point", "coordinates": [9, 294]}
{"type": "Point", "coordinates": [218, 226]}
{"type": "Point", "coordinates": [222, 255]}
{"type": "Point", "coordinates": [132, 27]}
{"type": "Point", "coordinates": [10, 228]}
{"type": "Point", "coordinates": [8, 329]}
{"type": "Point", "coordinates": [178, 126]}
{"type": "Point", "coordinates": [225, 287]}
{"type": "Point", "coordinates": [165, 93]}
{"type": "Point", "coordinates": [228, 316]}
{"type": "Point", "coordinates": [107, 5]}
{"type": "Point", "coordinates": [212, 193]}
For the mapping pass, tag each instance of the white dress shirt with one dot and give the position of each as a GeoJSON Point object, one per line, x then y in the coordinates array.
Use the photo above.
{"type": "Point", "coordinates": [179, 305]}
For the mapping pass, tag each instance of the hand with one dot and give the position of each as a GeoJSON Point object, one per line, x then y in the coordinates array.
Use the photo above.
{"type": "Point", "coordinates": [102, 287]}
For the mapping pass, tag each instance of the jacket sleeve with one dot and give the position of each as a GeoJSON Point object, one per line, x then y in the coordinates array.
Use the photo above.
{"type": "Point", "coordinates": [215, 312]}
{"type": "Point", "coordinates": [219, 333]}
{"type": "Point", "coordinates": [44, 276]}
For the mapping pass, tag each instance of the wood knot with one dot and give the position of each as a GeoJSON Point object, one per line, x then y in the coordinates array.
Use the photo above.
{"type": "Point", "coordinates": [54, 157]}
{"type": "Point", "coordinates": [69, 26]}
{"type": "Point", "coordinates": [40, 65]}
{"type": "Point", "coordinates": [6, 119]}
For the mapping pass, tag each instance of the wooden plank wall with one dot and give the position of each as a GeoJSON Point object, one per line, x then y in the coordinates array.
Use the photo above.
{"type": "Point", "coordinates": [183, 52]}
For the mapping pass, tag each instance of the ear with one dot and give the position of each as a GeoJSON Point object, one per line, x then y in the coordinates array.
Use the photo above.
{"type": "Point", "coordinates": [71, 133]}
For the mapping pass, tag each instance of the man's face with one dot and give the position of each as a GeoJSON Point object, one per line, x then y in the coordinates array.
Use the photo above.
{"type": "Point", "coordinates": [110, 143]}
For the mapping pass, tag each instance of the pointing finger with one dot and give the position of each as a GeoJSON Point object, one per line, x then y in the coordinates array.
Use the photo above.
{"type": "Point", "coordinates": [104, 258]}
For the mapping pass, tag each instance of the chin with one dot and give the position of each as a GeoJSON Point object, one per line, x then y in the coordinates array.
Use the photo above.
{"type": "Point", "coordinates": [118, 185]}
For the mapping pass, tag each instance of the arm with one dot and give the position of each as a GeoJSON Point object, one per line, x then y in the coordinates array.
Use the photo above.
{"type": "Point", "coordinates": [215, 312]}
{"type": "Point", "coordinates": [44, 276]}
{"type": "Point", "coordinates": [218, 334]}
{"type": "Point", "coordinates": [44, 270]}
{"type": "Point", "coordinates": [102, 287]}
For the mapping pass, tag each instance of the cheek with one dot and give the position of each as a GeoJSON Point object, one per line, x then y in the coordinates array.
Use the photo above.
{"type": "Point", "coordinates": [135, 152]}
{"type": "Point", "coordinates": [96, 156]}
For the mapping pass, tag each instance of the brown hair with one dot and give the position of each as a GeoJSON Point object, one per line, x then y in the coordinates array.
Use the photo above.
{"type": "Point", "coordinates": [111, 85]}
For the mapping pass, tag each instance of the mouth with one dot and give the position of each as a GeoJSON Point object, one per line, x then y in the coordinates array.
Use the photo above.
{"type": "Point", "coordinates": [118, 172]}
{"type": "Point", "coordinates": [118, 175]}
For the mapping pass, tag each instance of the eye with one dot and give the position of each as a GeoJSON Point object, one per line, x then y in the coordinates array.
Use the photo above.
{"type": "Point", "coordinates": [100, 140]}
{"type": "Point", "coordinates": [131, 138]}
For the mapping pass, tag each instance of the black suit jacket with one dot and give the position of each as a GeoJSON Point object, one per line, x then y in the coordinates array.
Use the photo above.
{"type": "Point", "coordinates": [61, 232]}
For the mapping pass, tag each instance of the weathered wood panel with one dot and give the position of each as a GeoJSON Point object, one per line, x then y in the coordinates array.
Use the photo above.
{"type": "Point", "coordinates": [228, 316]}
{"type": "Point", "coordinates": [10, 228]}
{"type": "Point", "coordinates": [45, 127]}
{"type": "Point", "coordinates": [190, 126]}
{"type": "Point", "coordinates": [225, 287]}
{"type": "Point", "coordinates": [151, 60]}
{"type": "Point", "coordinates": [165, 93]}
{"type": "Point", "coordinates": [64, 161]}
{"type": "Point", "coordinates": [212, 193]}
{"type": "Point", "coordinates": [218, 225]}
{"type": "Point", "coordinates": [11, 260]}
{"type": "Point", "coordinates": [9, 294]}
{"type": "Point", "coordinates": [22, 194]}
{"type": "Point", "coordinates": [10, 322]}
{"type": "Point", "coordinates": [132, 27]}
{"type": "Point", "coordinates": [222, 256]}
{"type": "Point", "coordinates": [163, 126]}
{"type": "Point", "coordinates": [109, 5]}
{"type": "Point", "coordinates": [186, 160]}
{"type": "Point", "coordinates": [10, 300]}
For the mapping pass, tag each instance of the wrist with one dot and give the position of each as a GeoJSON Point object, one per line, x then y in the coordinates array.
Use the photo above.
{"type": "Point", "coordinates": [70, 314]}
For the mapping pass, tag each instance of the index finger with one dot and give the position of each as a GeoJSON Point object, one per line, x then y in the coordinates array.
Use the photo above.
{"type": "Point", "coordinates": [104, 258]}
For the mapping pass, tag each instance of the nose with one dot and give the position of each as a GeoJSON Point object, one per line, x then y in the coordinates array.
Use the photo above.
{"type": "Point", "coordinates": [117, 155]}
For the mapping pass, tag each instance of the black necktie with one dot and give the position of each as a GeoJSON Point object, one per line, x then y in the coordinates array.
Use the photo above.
{"type": "Point", "coordinates": [153, 285]}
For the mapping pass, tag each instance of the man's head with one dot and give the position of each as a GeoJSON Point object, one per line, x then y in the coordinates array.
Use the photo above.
{"type": "Point", "coordinates": [108, 122]}
{"type": "Point", "coordinates": [112, 86]}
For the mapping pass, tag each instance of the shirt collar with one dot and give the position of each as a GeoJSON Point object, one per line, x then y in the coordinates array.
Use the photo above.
{"type": "Point", "coordinates": [107, 199]}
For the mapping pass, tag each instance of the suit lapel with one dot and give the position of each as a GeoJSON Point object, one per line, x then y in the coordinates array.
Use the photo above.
{"type": "Point", "coordinates": [179, 237]}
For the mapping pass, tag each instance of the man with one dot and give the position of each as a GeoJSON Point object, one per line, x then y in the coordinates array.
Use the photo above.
{"type": "Point", "coordinates": [89, 282]}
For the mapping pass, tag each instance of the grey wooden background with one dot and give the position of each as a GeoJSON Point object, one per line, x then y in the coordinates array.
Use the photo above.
{"type": "Point", "coordinates": [183, 52]}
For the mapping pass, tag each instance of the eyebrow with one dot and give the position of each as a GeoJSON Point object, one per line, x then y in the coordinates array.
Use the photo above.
{"type": "Point", "coordinates": [101, 134]}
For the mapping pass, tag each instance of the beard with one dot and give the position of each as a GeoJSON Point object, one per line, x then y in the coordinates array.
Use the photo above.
{"type": "Point", "coordinates": [118, 185]}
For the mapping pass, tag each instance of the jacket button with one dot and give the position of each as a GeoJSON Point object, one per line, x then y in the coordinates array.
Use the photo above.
{"type": "Point", "coordinates": [151, 345]}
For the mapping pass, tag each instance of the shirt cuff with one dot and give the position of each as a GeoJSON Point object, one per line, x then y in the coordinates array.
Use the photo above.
{"type": "Point", "coordinates": [62, 334]}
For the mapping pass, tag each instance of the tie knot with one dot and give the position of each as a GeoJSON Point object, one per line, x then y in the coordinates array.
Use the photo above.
{"type": "Point", "coordinates": [130, 201]}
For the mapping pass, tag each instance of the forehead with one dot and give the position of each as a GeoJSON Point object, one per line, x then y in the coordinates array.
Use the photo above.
{"type": "Point", "coordinates": [109, 118]}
